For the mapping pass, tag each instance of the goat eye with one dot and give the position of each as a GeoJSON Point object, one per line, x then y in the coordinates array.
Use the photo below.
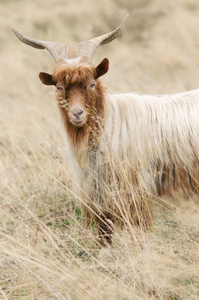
{"type": "Point", "coordinates": [59, 88]}
{"type": "Point", "coordinates": [92, 85]}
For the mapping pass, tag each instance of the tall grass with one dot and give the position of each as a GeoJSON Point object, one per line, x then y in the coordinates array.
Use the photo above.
{"type": "Point", "coordinates": [47, 252]}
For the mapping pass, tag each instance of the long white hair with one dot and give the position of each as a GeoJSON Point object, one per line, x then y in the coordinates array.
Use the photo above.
{"type": "Point", "coordinates": [155, 135]}
{"type": "Point", "coordinates": [148, 146]}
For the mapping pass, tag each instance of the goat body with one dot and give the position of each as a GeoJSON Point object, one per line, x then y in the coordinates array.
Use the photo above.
{"type": "Point", "coordinates": [133, 147]}
{"type": "Point", "coordinates": [158, 138]}
{"type": "Point", "coordinates": [155, 137]}
{"type": "Point", "coordinates": [122, 148]}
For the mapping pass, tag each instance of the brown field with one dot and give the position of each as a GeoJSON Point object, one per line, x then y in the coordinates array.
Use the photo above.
{"type": "Point", "coordinates": [46, 252]}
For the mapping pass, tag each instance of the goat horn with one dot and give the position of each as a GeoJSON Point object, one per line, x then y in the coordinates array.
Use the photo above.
{"type": "Point", "coordinates": [57, 50]}
{"type": "Point", "coordinates": [88, 48]}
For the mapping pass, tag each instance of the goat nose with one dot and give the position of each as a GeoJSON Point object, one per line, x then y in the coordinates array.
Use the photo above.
{"type": "Point", "coordinates": [77, 112]}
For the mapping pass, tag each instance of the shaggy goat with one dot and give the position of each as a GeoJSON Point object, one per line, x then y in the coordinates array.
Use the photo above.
{"type": "Point", "coordinates": [122, 148]}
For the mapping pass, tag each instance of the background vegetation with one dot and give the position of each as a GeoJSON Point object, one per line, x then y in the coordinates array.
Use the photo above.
{"type": "Point", "coordinates": [45, 250]}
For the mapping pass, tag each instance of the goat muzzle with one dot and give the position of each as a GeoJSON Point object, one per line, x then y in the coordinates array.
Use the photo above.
{"type": "Point", "coordinates": [78, 116]}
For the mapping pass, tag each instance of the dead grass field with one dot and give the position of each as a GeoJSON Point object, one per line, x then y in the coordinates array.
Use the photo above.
{"type": "Point", "coordinates": [45, 250]}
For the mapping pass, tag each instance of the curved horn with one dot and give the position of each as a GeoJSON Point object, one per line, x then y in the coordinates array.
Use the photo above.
{"type": "Point", "coordinates": [89, 47]}
{"type": "Point", "coordinates": [57, 50]}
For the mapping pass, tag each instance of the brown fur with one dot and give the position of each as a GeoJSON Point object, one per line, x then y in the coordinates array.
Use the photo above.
{"type": "Point", "coordinates": [177, 178]}
{"type": "Point", "coordinates": [75, 82]}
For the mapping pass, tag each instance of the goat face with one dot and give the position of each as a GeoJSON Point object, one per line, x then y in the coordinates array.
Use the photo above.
{"type": "Point", "coordinates": [76, 84]}
{"type": "Point", "coordinates": [72, 99]}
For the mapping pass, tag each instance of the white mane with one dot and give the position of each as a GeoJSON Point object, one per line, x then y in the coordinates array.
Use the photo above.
{"type": "Point", "coordinates": [145, 130]}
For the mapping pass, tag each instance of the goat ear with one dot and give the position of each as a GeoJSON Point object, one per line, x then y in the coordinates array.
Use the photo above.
{"type": "Point", "coordinates": [102, 68]}
{"type": "Point", "coordinates": [46, 78]}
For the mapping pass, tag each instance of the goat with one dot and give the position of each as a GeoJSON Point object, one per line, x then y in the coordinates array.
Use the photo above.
{"type": "Point", "coordinates": [122, 148]}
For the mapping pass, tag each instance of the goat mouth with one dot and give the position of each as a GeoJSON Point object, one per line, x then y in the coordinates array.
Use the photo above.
{"type": "Point", "coordinates": [78, 122]}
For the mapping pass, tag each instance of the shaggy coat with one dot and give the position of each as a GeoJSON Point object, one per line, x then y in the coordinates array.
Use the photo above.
{"type": "Point", "coordinates": [131, 147]}
{"type": "Point", "coordinates": [123, 149]}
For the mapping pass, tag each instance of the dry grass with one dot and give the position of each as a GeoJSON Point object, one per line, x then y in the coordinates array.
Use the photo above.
{"type": "Point", "coordinates": [45, 250]}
